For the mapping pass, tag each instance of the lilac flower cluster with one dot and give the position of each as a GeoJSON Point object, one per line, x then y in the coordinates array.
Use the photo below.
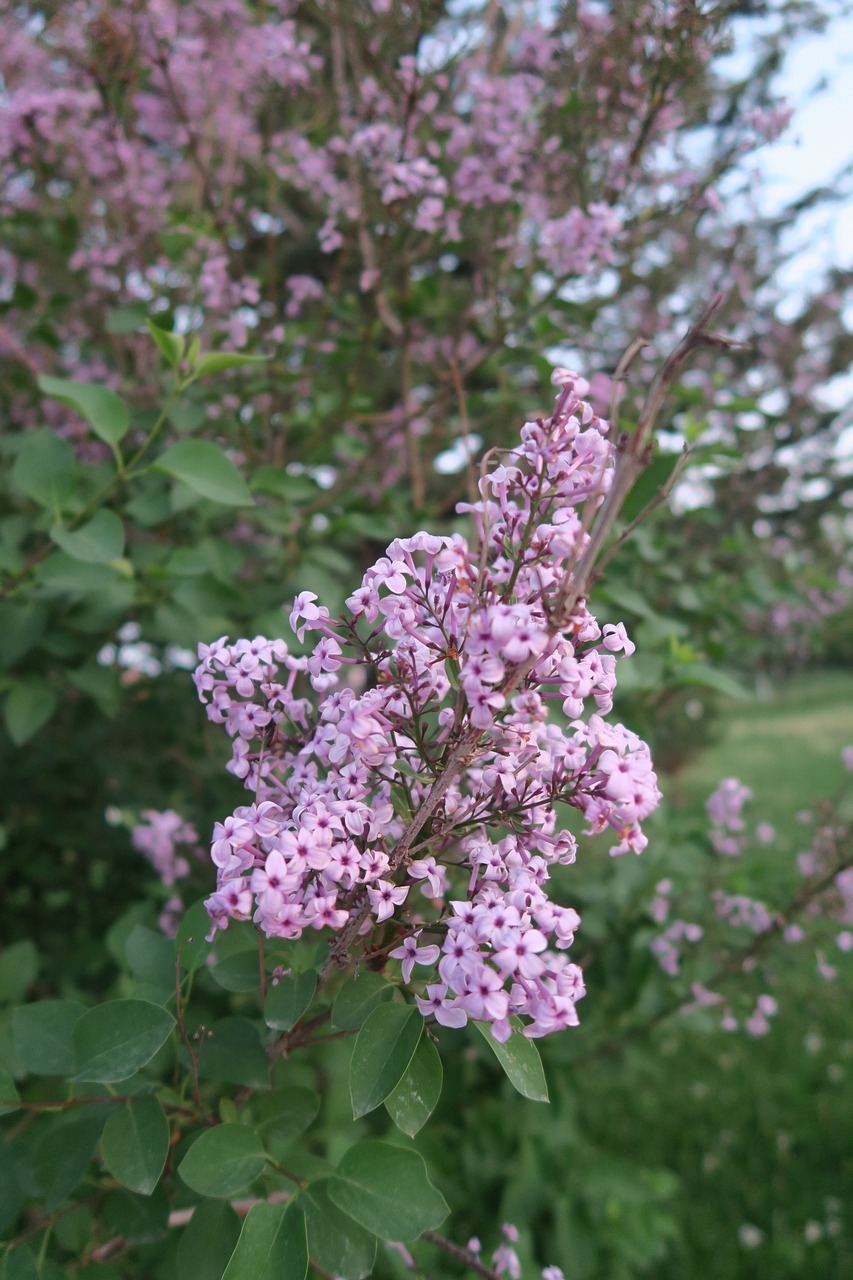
{"type": "Point", "coordinates": [724, 809]}
{"type": "Point", "coordinates": [157, 836]}
{"type": "Point", "coordinates": [813, 915]}
{"type": "Point", "coordinates": [411, 759]}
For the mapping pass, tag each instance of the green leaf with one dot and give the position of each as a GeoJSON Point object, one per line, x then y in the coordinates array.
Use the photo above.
{"type": "Point", "coordinates": [18, 968]}
{"type": "Point", "coordinates": [217, 361]}
{"type": "Point", "coordinates": [520, 1060]}
{"type": "Point", "coordinates": [223, 1161]}
{"type": "Point", "coordinates": [11, 1192]}
{"type": "Point", "coordinates": [20, 1264]}
{"type": "Point", "coordinates": [63, 1150]}
{"type": "Point", "coordinates": [105, 412]}
{"type": "Point", "coordinates": [239, 972]}
{"type": "Point", "coordinates": [62, 575]}
{"type": "Point", "coordinates": [117, 1038]}
{"type": "Point", "coordinates": [44, 469]}
{"type": "Point", "coordinates": [386, 1189]}
{"type": "Point", "coordinates": [205, 469]}
{"type": "Point", "coordinates": [273, 1245]}
{"type": "Point", "coordinates": [357, 997]}
{"type": "Point", "coordinates": [101, 684]}
{"type": "Point", "coordinates": [416, 1096]}
{"type": "Point", "coordinates": [234, 1053]}
{"type": "Point", "coordinates": [648, 485]}
{"type": "Point", "coordinates": [191, 944]}
{"type": "Point", "coordinates": [21, 625]}
{"type": "Point", "coordinates": [288, 1000]}
{"type": "Point", "coordinates": [151, 958]}
{"type": "Point", "coordinates": [73, 1231]}
{"type": "Point", "coordinates": [8, 1093]}
{"type": "Point", "coordinates": [28, 707]}
{"type": "Point", "coordinates": [171, 344]}
{"type": "Point", "coordinates": [383, 1050]}
{"type": "Point", "coordinates": [44, 1036]}
{"type": "Point", "coordinates": [129, 319]}
{"type": "Point", "coordinates": [99, 542]}
{"type": "Point", "coordinates": [208, 1242]}
{"type": "Point", "coordinates": [709, 678]}
{"type": "Point", "coordinates": [135, 1143]}
{"type": "Point", "coordinates": [335, 1242]}
{"type": "Point", "coordinates": [284, 1113]}
{"type": "Point", "coordinates": [137, 1219]}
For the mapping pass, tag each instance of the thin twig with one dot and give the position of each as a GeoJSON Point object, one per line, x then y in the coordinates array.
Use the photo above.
{"type": "Point", "coordinates": [633, 458]}
{"type": "Point", "coordinates": [462, 405]}
{"type": "Point", "coordinates": [45, 1223]}
{"type": "Point", "coordinates": [461, 1255]}
{"type": "Point", "coordinates": [661, 496]}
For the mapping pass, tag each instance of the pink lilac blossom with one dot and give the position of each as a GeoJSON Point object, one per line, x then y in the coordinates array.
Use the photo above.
{"type": "Point", "coordinates": [157, 836]}
{"type": "Point", "coordinates": [666, 949]}
{"type": "Point", "coordinates": [724, 809]}
{"type": "Point", "coordinates": [460, 640]}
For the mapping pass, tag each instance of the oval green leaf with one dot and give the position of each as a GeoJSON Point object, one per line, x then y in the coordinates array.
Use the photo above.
{"type": "Point", "coordinates": [9, 1095]}
{"type": "Point", "coordinates": [520, 1060]}
{"type": "Point", "coordinates": [288, 1000]}
{"type": "Point", "coordinates": [18, 968]}
{"type": "Point", "coordinates": [44, 468]}
{"type": "Point", "coordinates": [205, 469]}
{"type": "Point", "coordinates": [63, 1149]}
{"type": "Point", "coordinates": [336, 1242]}
{"type": "Point", "coordinates": [44, 1036]}
{"type": "Point", "coordinates": [137, 1219]}
{"type": "Point", "coordinates": [233, 1052]}
{"type": "Point", "coordinates": [700, 673]}
{"type": "Point", "coordinates": [105, 412]}
{"type": "Point", "coordinates": [357, 997]}
{"type": "Point", "coordinates": [284, 1113]}
{"type": "Point", "coordinates": [99, 542]}
{"type": "Point", "coordinates": [135, 1143]}
{"type": "Point", "coordinates": [28, 707]}
{"type": "Point", "coordinates": [223, 1161]}
{"type": "Point", "coordinates": [208, 1242]}
{"type": "Point", "coordinates": [217, 361]}
{"type": "Point", "coordinates": [383, 1050]}
{"type": "Point", "coordinates": [117, 1038]}
{"type": "Point", "coordinates": [416, 1096]}
{"type": "Point", "coordinates": [171, 344]}
{"type": "Point", "coordinates": [238, 972]}
{"type": "Point", "coordinates": [273, 1245]}
{"type": "Point", "coordinates": [386, 1189]}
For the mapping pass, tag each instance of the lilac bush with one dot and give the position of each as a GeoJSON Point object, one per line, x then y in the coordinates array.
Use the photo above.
{"type": "Point", "coordinates": [813, 907]}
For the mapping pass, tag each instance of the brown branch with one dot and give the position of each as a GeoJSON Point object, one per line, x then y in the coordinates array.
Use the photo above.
{"type": "Point", "coordinates": [461, 1255]}
{"type": "Point", "coordinates": [462, 406]}
{"type": "Point", "coordinates": [65, 1104]}
{"type": "Point", "coordinates": [45, 1223]}
{"type": "Point", "coordinates": [660, 497]}
{"type": "Point", "coordinates": [633, 458]}
{"type": "Point", "coordinates": [416, 471]}
{"type": "Point", "coordinates": [365, 242]}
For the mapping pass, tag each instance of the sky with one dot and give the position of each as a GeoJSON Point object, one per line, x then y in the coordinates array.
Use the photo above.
{"type": "Point", "coordinates": [817, 80]}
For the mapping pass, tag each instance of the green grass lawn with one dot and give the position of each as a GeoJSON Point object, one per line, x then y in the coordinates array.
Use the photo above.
{"type": "Point", "coordinates": [758, 1131]}
{"type": "Point", "coordinates": [785, 744]}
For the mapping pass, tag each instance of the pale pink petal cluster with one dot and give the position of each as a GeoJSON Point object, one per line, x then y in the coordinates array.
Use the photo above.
{"type": "Point", "coordinates": [458, 641]}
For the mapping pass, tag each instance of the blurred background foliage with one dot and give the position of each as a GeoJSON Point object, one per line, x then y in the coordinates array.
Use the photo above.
{"type": "Point", "coordinates": [136, 190]}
